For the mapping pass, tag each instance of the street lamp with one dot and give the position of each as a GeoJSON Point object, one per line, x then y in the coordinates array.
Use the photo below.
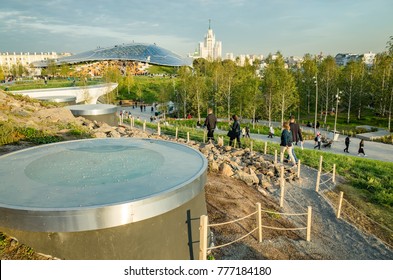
{"type": "Point", "coordinates": [336, 113]}
{"type": "Point", "coordinates": [316, 102]}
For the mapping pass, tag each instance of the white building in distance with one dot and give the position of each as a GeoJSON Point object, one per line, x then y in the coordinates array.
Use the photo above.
{"type": "Point", "coordinates": [209, 49]}
{"type": "Point", "coordinates": [8, 59]}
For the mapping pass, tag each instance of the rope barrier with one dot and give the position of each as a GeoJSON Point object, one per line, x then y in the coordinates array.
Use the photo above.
{"type": "Point", "coordinates": [284, 214]}
{"type": "Point", "coordinates": [354, 222]}
{"type": "Point", "coordinates": [284, 228]}
{"type": "Point", "coordinates": [297, 202]}
{"type": "Point", "coordinates": [349, 204]}
{"type": "Point", "coordinates": [233, 221]}
{"type": "Point", "coordinates": [324, 182]}
{"type": "Point", "coordinates": [227, 244]}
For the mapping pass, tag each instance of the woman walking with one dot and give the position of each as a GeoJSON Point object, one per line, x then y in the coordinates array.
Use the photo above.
{"type": "Point", "coordinates": [286, 142]}
{"type": "Point", "coordinates": [235, 131]}
{"type": "Point", "coordinates": [361, 148]}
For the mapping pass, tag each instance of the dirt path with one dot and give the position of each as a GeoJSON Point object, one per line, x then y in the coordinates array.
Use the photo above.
{"type": "Point", "coordinates": [331, 238]}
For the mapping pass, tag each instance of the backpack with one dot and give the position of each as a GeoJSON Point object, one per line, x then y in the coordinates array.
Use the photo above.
{"type": "Point", "coordinates": [316, 138]}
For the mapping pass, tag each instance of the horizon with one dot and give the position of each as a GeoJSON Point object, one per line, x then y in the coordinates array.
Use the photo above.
{"type": "Point", "coordinates": [293, 28]}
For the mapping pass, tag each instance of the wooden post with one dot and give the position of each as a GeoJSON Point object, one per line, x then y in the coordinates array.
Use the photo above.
{"type": "Point", "coordinates": [309, 212]}
{"type": "Point", "coordinates": [298, 168]}
{"type": "Point", "coordinates": [265, 150]}
{"type": "Point", "coordinates": [188, 136]}
{"type": "Point", "coordinates": [334, 174]}
{"type": "Point", "coordinates": [158, 129]}
{"type": "Point", "coordinates": [282, 157]}
{"type": "Point", "coordinates": [320, 163]}
{"type": "Point", "coordinates": [234, 143]}
{"type": "Point", "coordinates": [275, 156]}
{"type": "Point", "coordinates": [203, 237]}
{"type": "Point", "coordinates": [282, 186]}
{"type": "Point", "coordinates": [144, 126]}
{"type": "Point", "coordinates": [251, 146]}
{"type": "Point", "coordinates": [259, 221]}
{"type": "Point", "coordinates": [177, 132]}
{"type": "Point", "coordinates": [204, 136]}
{"type": "Point", "coordinates": [318, 179]}
{"type": "Point", "coordinates": [340, 202]}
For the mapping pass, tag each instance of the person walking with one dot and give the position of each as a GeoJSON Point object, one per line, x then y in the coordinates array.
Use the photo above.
{"type": "Point", "coordinates": [210, 123]}
{"type": "Point", "coordinates": [235, 131]}
{"type": "Point", "coordinates": [271, 131]}
{"type": "Point", "coordinates": [361, 148]}
{"type": "Point", "coordinates": [318, 141]}
{"type": "Point", "coordinates": [286, 142]}
{"type": "Point", "coordinates": [247, 132]}
{"type": "Point", "coordinates": [347, 141]}
{"type": "Point", "coordinates": [296, 134]}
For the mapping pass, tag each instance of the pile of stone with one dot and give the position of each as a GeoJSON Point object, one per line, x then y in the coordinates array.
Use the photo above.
{"type": "Point", "coordinates": [253, 168]}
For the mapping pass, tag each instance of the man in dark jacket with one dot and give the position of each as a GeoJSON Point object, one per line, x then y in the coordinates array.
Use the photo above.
{"type": "Point", "coordinates": [210, 123]}
{"type": "Point", "coordinates": [296, 134]}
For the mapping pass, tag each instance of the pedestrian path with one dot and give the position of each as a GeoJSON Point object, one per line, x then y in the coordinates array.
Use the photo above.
{"type": "Point", "coordinates": [373, 150]}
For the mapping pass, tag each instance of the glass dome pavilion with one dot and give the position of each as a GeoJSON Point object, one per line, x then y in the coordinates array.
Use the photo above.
{"type": "Point", "coordinates": [142, 52]}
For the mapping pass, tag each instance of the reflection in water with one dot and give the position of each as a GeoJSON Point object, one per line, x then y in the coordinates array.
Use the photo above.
{"type": "Point", "coordinates": [90, 166]}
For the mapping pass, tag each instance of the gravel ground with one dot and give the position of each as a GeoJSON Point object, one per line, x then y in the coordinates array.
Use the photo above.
{"type": "Point", "coordinates": [331, 238]}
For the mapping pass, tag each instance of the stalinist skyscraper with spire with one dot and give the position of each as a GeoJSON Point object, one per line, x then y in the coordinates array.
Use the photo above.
{"type": "Point", "coordinates": [210, 49]}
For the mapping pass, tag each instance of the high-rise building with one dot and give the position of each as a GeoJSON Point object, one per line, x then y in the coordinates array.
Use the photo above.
{"type": "Point", "coordinates": [209, 49]}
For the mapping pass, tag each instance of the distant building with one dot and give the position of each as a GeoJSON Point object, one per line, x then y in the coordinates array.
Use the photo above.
{"type": "Point", "coordinates": [8, 59]}
{"type": "Point", "coordinates": [342, 59]}
{"type": "Point", "coordinates": [209, 49]}
{"type": "Point", "coordinates": [369, 58]}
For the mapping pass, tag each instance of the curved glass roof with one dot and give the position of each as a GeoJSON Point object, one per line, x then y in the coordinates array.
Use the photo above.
{"type": "Point", "coordinates": [149, 53]}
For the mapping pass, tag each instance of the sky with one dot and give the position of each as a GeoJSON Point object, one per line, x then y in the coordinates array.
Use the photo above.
{"type": "Point", "coordinates": [292, 27]}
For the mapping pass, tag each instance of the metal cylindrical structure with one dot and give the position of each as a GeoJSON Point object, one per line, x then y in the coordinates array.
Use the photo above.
{"type": "Point", "coordinates": [96, 112]}
{"type": "Point", "coordinates": [111, 198]}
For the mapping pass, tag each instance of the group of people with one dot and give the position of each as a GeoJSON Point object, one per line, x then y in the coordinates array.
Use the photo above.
{"type": "Point", "coordinates": [361, 146]}
{"type": "Point", "coordinates": [291, 135]}
{"type": "Point", "coordinates": [234, 133]}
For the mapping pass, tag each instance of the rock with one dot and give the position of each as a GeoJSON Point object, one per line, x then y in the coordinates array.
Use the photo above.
{"type": "Point", "coordinates": [238, 153]}
{"type": "Point", "coordinates": [114, 134]}
{"type": "Point", "coordinates": [228, 148]}
{"type": "Point", "coordinates": [213, 166]}
{"type": "Point", "coordinates": [226, 170]}
{"type": "Point", "coordinates": [99, 134]}
{"type": "Point", "coordinates": [249, 179]}
{"type": "Point", "coordinates": [262, 191]}
{"type": "Point", "coordinates": [104, 127]}
{"type": "Point", "coordinates": [266, 184]}
{"type": "Point", "coordinates": [220, 141]}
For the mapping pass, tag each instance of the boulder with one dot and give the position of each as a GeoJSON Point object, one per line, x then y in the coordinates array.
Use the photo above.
{"type": "Point", "coordinates": [249, 179]}
{"type": "Point", "coordinates": [226, 170]}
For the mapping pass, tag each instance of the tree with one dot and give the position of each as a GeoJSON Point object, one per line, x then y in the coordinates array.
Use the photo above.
{"type": "Point", "coordinates": [198, 89]}
{"type": "Point", "coordinates": [2, 75]}
{"type": "Point", "coordinates": [52, 68]}
{"type": "Point", "coordinates": [184, 86]}
{"type": "Point", "coordinates": [129, 79]}
{"type": "Point", "coordinates": [225, 87]}
{"type": "Point", "coordinates": [381, 80]}
{"type": "Point", "coordinates": [279, 88]}
{"type": "Point", "coordinates": [327, 78]}
{"type": "Point", "coordinates": [306, 82]}
{"type": "Point", "coordinates": [351, 83]}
